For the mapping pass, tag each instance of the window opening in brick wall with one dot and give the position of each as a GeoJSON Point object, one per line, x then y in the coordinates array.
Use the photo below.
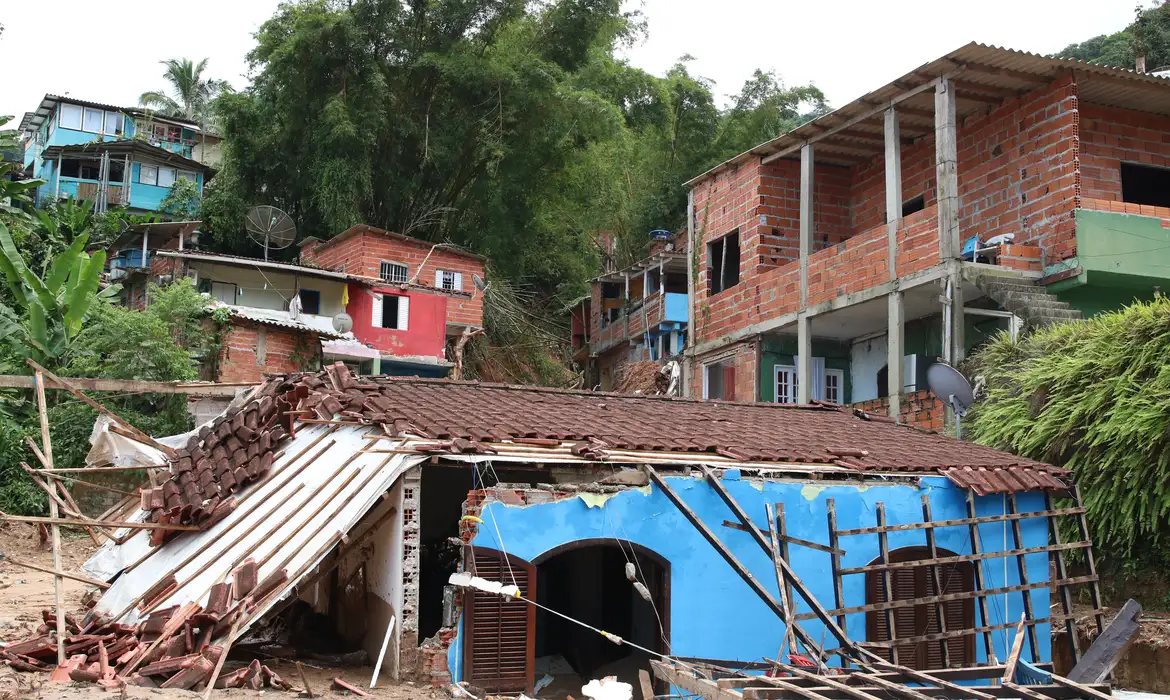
{"type": "Point", "coordinates": [448, 280]}
{"type": "Point", "coordinates": [723, 263]}
{"type": "Point", "coordinates": [1145, 184]}
{"type": "Point", "coordinates": [394, 272]}
{"type": "Point", "coordinates": [913, 205]}
{"type": "Point", "coordinates": [310, 301]}
{"type": "Point", "coordinates": [676, 283]}
{"type": "Point", "coordinates": [719, 381]}
{"type": "Point", "coordinates": [920, 620]}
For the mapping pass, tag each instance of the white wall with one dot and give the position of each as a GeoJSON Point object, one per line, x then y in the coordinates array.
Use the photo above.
{"type": "Point", "coordinates": [865, 359]}
{"type": "Point", "coordinates": [280, 286]}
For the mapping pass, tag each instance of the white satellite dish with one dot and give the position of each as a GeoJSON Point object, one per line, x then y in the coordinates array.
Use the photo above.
{"type": "Point", "coordinates": [478, 282]}
{"type": "Point", "coordinates": [949, 385]}
{"type": "Point", "coordinates": [342, 323]}
{"type": "Point", "coordinates": [270, 227]}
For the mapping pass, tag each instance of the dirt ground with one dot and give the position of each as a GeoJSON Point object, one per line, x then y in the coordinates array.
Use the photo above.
{"type": "Point", "coordinates": [24, 593]}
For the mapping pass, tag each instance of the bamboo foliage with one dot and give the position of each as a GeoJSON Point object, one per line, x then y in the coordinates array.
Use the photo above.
{"type": "Point", "coordinates": [1093, 396]}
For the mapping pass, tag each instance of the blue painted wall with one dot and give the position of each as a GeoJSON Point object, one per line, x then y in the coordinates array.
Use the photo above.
{"type": "Point", "coordinates": [676, 307]}
{"type": "Point", "coordinates": [713, 612]}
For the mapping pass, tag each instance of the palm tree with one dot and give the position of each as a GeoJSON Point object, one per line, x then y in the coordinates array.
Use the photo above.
{"type": "Point", "coordinates": [190, 93]}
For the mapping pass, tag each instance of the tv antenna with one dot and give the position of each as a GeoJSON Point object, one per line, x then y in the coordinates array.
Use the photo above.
{"type": "Point", "coordinates": [270, 227]}
{"type": "Point", "coordinates": [949, 385]}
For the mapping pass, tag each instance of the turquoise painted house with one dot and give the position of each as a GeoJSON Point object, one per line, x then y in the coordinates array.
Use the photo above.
{"type": "Point", "coordinates": [113, 156]}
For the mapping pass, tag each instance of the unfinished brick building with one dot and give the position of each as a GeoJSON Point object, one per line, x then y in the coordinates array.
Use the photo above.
{"type": "Point", "coordinates": [871, 241]}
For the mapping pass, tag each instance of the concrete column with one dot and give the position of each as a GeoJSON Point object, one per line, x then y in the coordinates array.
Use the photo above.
{"type": "Point", "coordinates": [946, 161]}
{"type": "Point", "coordinates": [893, 186]}
{"type": "Point", "coordinates": [692, 264]}
{"type": "Point", "coordinates": [895, 342]}
{"type": "Point", "coordinates": [806, 217]}
{"type": "Point", "coordinates": [803, 358]}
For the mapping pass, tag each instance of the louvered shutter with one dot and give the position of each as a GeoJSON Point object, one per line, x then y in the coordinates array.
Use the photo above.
{"type": "Point", "coordinates": [403, 313]}
{"type": "Point", "coordinates": [459, 281]}
{"type": "Point", "coordinates": [376, 311]}
{"type": "Point", "coordinates": [438, 279]}
{"type": "Point", "coordinates": [500, 647]}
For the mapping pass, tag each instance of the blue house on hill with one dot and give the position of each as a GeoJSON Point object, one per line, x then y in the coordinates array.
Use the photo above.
{"type": "Point", "coordinates": [113, 156]}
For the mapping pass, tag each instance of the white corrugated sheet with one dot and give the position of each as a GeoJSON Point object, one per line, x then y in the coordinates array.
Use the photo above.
{"type": "Point", "coordinates": [285, 521]}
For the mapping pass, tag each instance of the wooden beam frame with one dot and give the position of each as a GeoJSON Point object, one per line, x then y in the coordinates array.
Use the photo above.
{"type": "Point", "coordinates": [965, 557]}
{"type": "Point", "coordinates": [1066, 604]}
{"type": "Point", "coordinates": [887, 580]}
{"type": "Point", "coordinates": [1022, 570]}
{"type": "Point", "coordinates": [936, 582]}
{"type": "Point", "coordinates": [963, 521]}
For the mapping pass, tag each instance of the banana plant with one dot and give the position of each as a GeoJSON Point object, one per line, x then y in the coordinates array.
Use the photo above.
{"type": "Point", "coordinates": [14, 194]}
{"type": "Point", "coordinates": [49, 311]}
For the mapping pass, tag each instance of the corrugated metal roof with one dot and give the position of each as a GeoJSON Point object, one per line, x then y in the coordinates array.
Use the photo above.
{"type": "Point", "coordinates": [986, 75]}
{"type": "Point", "coordinates": [125, 146]}
{"type": "Point", "coordinates": [312, 495]}
{"type": "Point", "coordinates": [310, 323]}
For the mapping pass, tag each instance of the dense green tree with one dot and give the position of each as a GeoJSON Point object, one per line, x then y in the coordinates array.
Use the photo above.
{"type": "Point", "coordinates": [190, 93]}
{"type": "Point", "coordinates": [1148, 35]}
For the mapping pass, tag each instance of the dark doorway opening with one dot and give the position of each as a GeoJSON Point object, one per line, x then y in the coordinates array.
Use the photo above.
{"type": "Point", "coordinates": [586, 580]}
{"type": "Point", "coordinates": [1145, 184]}
{"type": "Point", "coordinates": [444, 490]}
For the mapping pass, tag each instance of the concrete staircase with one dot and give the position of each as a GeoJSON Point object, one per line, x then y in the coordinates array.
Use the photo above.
{"type": "Point", "coordinates": [1023, 298]}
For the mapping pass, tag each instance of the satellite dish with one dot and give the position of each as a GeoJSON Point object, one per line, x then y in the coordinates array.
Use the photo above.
{"type": "Point", "coordinates": [270, 227]}
{"type": "Point", "coordinates": [478, 281]}
{"type": "Point", "coordinates": [950, 386]}
{"type": "Point", "coordinates": [342, 323]}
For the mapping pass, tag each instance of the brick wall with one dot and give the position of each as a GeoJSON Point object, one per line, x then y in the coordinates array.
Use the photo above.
{"type": "Point", "coordinates": [362, 253]}
{"type": "Point", "coordinates": [744, 357]}
{"type": "Point", "coordinates": [239, 361]}
{"type": "Point", "coordinates": [920, 409]}
{"type": "Point", "coordinates": [1017, 174]}
{"type": "Point", "coordinates": [1110, 135]}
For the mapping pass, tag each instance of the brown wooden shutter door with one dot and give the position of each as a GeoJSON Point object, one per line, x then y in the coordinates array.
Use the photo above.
{"type": "Point", "coordinates": [499, 645]}
{"type": "Point", "coordinates": [729, 383]}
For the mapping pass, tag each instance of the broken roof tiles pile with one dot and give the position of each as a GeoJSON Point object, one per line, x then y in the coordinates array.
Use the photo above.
{"type": "Point", "coordinates": [464, 417]}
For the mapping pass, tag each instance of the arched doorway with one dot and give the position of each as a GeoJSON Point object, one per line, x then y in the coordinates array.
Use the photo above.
{"type": "Point", "coordinates": [509, 644]}
{"type": "Point", "coordinates": [915, 621]}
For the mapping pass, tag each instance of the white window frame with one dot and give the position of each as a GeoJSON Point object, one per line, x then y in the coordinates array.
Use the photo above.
{"type": "Point", "coordinates": [839, 376]}
{"type": "Point", "coordinates": [707, 376]}
{"type": "Point", "coordinates": [384, 265]}
{"type": "Point", "coordinates": [85, 120]}
{"type": "Point", "coordinates": [114, 124]}
{"type": "Point", "coordinates": [76, 126]}
{"type": "Point", "coordinates": [456, 279]}
{"type": "Point", "coordinates": [142, 168]}
{"type": "Point", "coordinates": [791, 377]}
{"type": "Point", "coordinates": [222, 288]}
{"type": "Point", "coordinates": [403, 320]}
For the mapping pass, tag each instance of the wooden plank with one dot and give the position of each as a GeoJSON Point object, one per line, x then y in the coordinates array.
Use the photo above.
{"type": "Point", "coordinates": [139, 435]}
{"type": "Point", "coordinates": [1009, 668]}
{"type": "Point", "coordinates": [980, 584]}
{"type": "Point", "coordinates": [79, 470]}
{"type": "Point", "coordinates": [789, 576]}
{"type": "Point", "coordinates": [76, 577]}
{"type": "Point", "coordinates": [227, 645]}
{"type": "Point", "coordinates": [790, 539]}
{"type": "Point", "coordinates": [81, 522]}
{"type": "Point", "coordinates": [728, 557]}
{"type": "Point", "coordinates": [781, 531]}
{"type": "Point", "coordinates": [964, 557]}
{"type": "Point", "coordinates": [691, 683]}
{"type": "Point", "coordinates": [964, 521]}
{"type": "Point", "coordinates": [59, 595]}
{"type": "Point", "coordinates": [980, 594]}
{"type": "Point", "coordinates": [851, 691]}
{"type": "Point", "coordinates": [936, 582]}
{"type": "Point", "coordinates": [1022, 570]}
{"type": "Point", "coordinates": [1080, 687]}
{"type": "Point", "coordinates": [1048, 692]}
{"type": "Point", "coordinates": [896, 688]}
{"type": "Point", "coordinates": [129, 386]}
{"type": "Point", "coordinates": [1065, 595]}
{"type": "Point", "coordinates": [878, 108]}
{"type": "Point", "coordinates": [91, 484]}
{"type": "Point", "coordinates": [785, 592]}
{"type": "Point", "coordinates": [1026, 691]}
{"type": "Point", "coordinates": [952, 634]}
{"type": "Point", "coordinates": [887, 580]}
{"type": "Point", "coordinates": [934, 678]}
{"type": "Point", "coordinates": [50, 490]}
{"type": "Point", "coordinates": [1109, 647]}
{"type": "Point", "coordinates": [835, 567]}
{"type": "Point", "coordinates": [644, 682]}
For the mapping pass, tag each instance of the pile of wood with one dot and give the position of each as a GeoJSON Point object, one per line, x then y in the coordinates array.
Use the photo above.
{"type": "Point", "coordinates": [170, 648]}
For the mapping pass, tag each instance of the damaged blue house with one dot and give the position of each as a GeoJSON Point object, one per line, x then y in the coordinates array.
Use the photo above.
{"type": "Point", "coordinates": [627, 533]}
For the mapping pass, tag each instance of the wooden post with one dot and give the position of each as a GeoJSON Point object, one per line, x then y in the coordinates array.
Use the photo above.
{"type": "Point", "coordinates": [946, 170]}
{"type": "Point", "coordinates": [227, 645]}
{"type": "Point", "coordinates": [936, 581]}
{"type": "Point", "coordinates": [782, 536]}
{"type": "Point", "coordinates": [835, 563]}
{"type": "Point", "coordinates": [1022, 570]}
{"type": "Point", "coordinates": [973, 530]}
{"type": "Point", "coordinates": [54, 513]}
{"type": "Point", "coordinates": [807, 188]}
{"type": "Point", "coordinates": [1066, 604]}
{"type": "Point", "coordinates": [692, 268]}
{"type": "Point", "coordinates": [887, 579]}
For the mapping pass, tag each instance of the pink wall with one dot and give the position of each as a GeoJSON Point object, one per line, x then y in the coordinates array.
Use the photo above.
{"type": "Point", "coordinates": [425, 335]}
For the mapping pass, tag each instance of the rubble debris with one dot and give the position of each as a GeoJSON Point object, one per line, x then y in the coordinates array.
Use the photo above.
{"type": "Point", "coordinates": [342, 685]}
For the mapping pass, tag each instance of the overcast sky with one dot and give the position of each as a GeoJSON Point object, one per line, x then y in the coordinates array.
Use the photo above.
{"type": "Point", "coordinates": [846, 47]}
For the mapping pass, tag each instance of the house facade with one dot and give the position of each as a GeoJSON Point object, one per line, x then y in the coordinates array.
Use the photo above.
{"type": "Point", "coordinates": [386, 323]}
{"type": "Point", "coordinates": [113, 156]}
{"type": "Point", "coordinates": [983, 192]}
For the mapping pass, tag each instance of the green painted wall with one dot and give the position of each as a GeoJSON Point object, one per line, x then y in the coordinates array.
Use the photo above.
{"type": "Point", "coordinates": [1121, 257]}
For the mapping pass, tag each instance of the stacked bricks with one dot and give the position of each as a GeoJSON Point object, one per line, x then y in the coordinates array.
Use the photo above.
{"type": "Point", "coordinates": [362, 249]}
{"type": "Point", "coordinates": [1110, 135]}
{"type": "Point", "coordinates": [920, 409]}
{"type": "Point", "coordinates": [1021, 257]}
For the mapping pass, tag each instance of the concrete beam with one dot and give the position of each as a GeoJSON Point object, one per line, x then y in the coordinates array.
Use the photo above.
{"type": "Point", "coordinates": [946, 161]}
{"type": "Point", "coordinates": [895, 342]}
{"type": "Point", "coordinates": [807, 174]}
